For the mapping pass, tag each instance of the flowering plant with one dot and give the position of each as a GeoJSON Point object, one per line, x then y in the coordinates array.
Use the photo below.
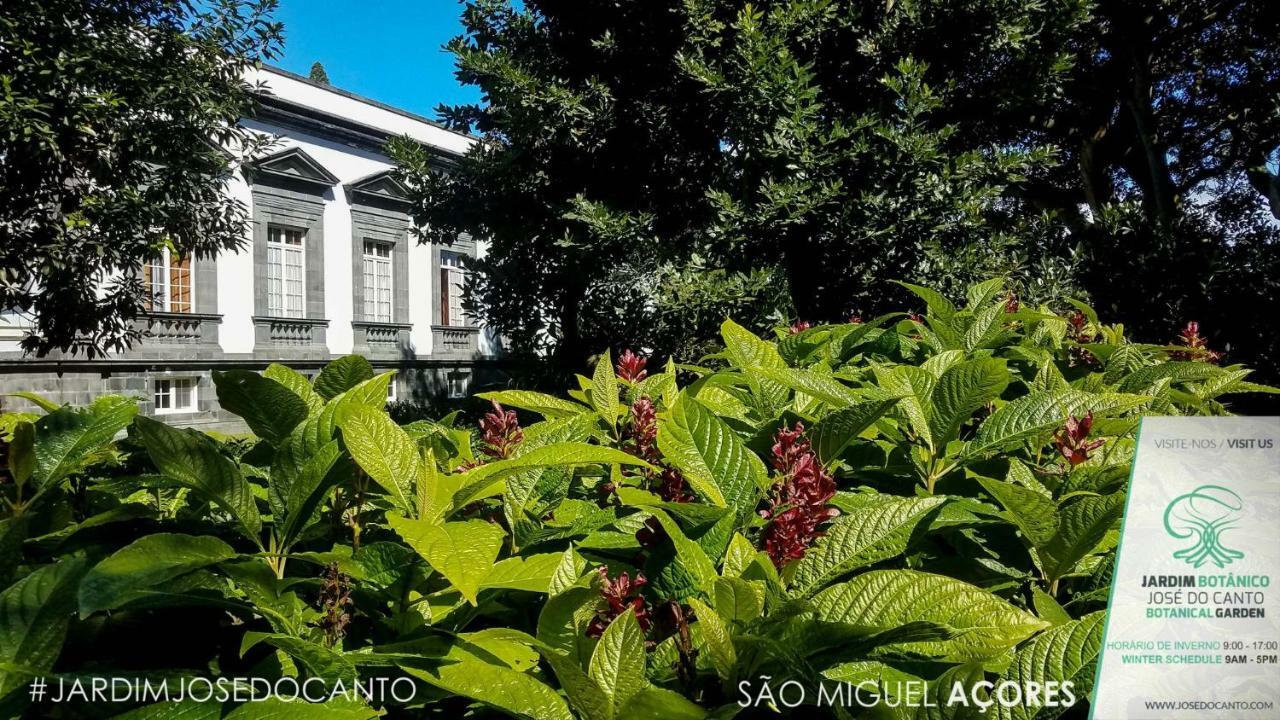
{"type": "Point", "coordinates": [633, 550]}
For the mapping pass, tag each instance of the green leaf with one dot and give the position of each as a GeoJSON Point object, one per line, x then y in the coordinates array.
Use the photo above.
{"type": "Point", "coordinates": [1043, 412]}
{"type": "Point", "coordinates": [22, 453]}
{"type": "Point", "coordinates": [836, 430]}
{"type": "Point", "coordinates": [277, 709]}
{"type": "Point", "coordinates": [296, 382]}
{"type": "Point", "coordinates": [1081, 527]}
{"type": "Point", "coordinates": [585, 695]}
{"type": "Point", "coordinates": [270, 409]}
{"type": "Point", "coordinates": [749, 352]}
{"type": "Point", "coordinates": [717, 640]}
{"type": "Point", "coordinates": [486, 480]}
{"type": "Point", "coordinates": [303, 487]}
{"type": "Point", "coordinates": [463, 552]}
{"type": "Point", "coordinates": [715, 461]}
{"type": "Point", "coordinates": [192, 460]}
{"type": "Point", "coordinates": [1034, 514]}
{"type": "Point", "coordinates": [690, 571]}
{"type": "Point", "coordinates": [657, 703]}
{"type": "Point", "coordinates": [532, 573]}
{"type": "Point", "coordinates": [38, 400]}
{"type": "Point", "coordinates": [738, 599]}
{"type": "Point", "coordinates": [548, 406]}
{"type": "Point", "coordinates": [883, 600]}
{"type": "Point", "coordinates": [937, 303]}
{"type": "Point", "coordinates": [963, 388]}
{"type": "Point", "coordinates": [501, 687]}
{"type": "Point", "coordinates": [822, 386]}
{"type": "Point", "coordinates": [66, 437]}
{"type": "Point", "coordinates": [876, 530]}
{"type": "Point", "coordinates": [604, 390]}
{"type": "Point", "coordinates": [1066, 653]}
{"type": "Point", "coordinates": [146, 562]}
{"type": "Point", "coordinates": [986, 324]}
{"type": "Point", "coordinates": [617, 665]}
{"type": "Point", "coordinates": [341, 375]}
{"type": "Point", "coordinates": [188, 709]}
{"type": "Point", "coordinates": [383, 450]}
{"type": "Point", "coordinates": [319, 660]}
{"type": "Point", "coordinates": [563, 622]}
{"type": "Point", "coordinates": [34, 615]}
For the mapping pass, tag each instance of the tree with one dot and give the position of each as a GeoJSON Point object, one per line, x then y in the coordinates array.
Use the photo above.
{"type": "Point", "coordinates": [623, 142]}
{"type": "Point", "coordinates": [118, 131]}
{"type": "Point", "coordinates": [318, 74]}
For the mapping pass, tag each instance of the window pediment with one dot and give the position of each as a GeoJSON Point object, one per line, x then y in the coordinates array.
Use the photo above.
{"type": "Point", "coordinates": [382, 185]}
{"type": "Point", "coordinates": [295, 164]}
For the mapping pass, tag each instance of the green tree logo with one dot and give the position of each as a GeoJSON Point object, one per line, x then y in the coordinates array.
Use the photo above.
{"type": "Point", "coordinates": [1205, 514]}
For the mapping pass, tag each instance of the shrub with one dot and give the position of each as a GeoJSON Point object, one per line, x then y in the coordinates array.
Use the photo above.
{"type": "Point", "coordinates": [915, 496]}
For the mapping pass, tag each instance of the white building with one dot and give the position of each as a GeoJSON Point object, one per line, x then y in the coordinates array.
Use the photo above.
{"type": "Point", "coordinates": [331, 268]}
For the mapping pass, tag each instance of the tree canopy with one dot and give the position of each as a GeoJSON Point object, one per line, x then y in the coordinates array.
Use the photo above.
{"type": "Point", "coordinates": [117, 124]}
{"type": "Point", "coordinates": [629, 149]}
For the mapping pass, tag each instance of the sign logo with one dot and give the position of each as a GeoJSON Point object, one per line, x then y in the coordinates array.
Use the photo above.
{"type": "Point", "coordinates": [1204, 514]}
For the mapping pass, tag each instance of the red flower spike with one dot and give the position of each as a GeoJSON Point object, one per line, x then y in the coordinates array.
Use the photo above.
{"type": "Point", "coordinates": [855, 319]}
{"type": "Point", "coordinates": [1197, 346]}
{"type": "Point", "coordinates": [1011, 304]}
{"type": "Point", "coordinates": [500, 433]}
{"type": "Point", "coordinates": [800, 326]}
{"type": "Point", "coordinates": [799, 500]}
{"type": "Point", "coordinates": [630, 367]}
{"type": "Point", "coordinates": [1072, 440]}
{"type": "Point", "coordinates": [616, 596]}
{"type": "Point", "coordinates": [642, 432]}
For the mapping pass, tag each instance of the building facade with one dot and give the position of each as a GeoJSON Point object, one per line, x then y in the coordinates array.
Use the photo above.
{"type": "Point", "coordinates": [331, 267]}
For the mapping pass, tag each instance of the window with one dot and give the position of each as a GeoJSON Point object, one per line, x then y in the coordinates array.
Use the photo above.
{"type": "Point", "coordinates": [453, 276]}
{"type": "Point", "coordinates": [458, 385]}
{"type": "Point", "coordinates": [393, 394]}
{"type": "Point", "coordinates": [285, 275]}
{"type": "Point", "coordinates": [175, 395]}
{"type": "Point", "coordinates": [377, 281]}
{"type": "Point", "coordinates": [167, 280]}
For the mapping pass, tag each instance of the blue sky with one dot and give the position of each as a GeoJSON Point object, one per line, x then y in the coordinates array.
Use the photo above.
{"type": "Point", "coordinates": [387, 50]}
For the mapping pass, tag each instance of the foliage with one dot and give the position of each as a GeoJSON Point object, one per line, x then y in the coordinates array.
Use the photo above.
{"type": "Point", "coordinates": [926, 495]}
{"type": "Point", "coordinates": [118, 125]}
{"type": "Point", "coordinates": [834, 144]}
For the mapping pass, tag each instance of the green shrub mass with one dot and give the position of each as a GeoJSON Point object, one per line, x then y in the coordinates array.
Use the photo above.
{"type": "Point", "coordinates": [930, 496]}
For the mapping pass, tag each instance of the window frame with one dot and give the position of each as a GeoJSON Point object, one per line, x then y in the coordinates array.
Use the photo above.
{"type": "Point", "coordinates": [286, 248]}
{"type": "Point", "coordinates": [171, 392]}
{"type": "Point", "coordinates": [165, 293]}
{"type": "Point", "coordinates": [452, 262]}
{"type": "Point", "coordinates": [370, 294]}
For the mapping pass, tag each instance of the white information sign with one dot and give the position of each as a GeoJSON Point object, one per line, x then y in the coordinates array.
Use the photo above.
{"type": "Point", "coordinates": [1193, 625]}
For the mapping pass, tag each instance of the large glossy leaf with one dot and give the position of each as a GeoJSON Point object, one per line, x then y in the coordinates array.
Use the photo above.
{"type": "Point", "coordinates": [717, 640]}
{"type": "Point", "coordinates": [341, 375]}
{"type": "Point", "coordinates": [962, 389]}
{"type": "Point", "coordinates": [463, 552]}
{"type": "Point", "coordinates": [302, 486]}
{"type": "Point", "coordinates": [270, 409]}
{"type": "Point", "coordinates": [689, 571]}
{"type": "Point", "coordinates": [383, 450]}
{"type": "Point", "coordinates": [1031, 415]}
{"type": "Point", "coordinates": [604, 390]}
{"type": "Point", "coordinates": [883, 600]}
{"type": "Point", "coordinates": [617, 665]}
{"type": "Point", "coordinates": [146, 562]}
{"type": "Point", "coordinates": [711, 456]}
{"type": "Point", "coordinates": [1034, 514]}
{"type": "Point", "coordinates": [750, 352]}
{"type": "Point", "coordinates": [532, 573]}
{"type": "Point", "coordinates": [486, 480]}
{"type": "Point", "coordinates": [937, 303]}
{"type": "Point", "coordinates": [1066, 653]}
{"type": "Point", "coordinates": [820, 385]}
{"type": "Point", "coordinates": [192, 460]}
{"type": "Point", "coordinates": [277, 709]}
{"type": "Point", "coordinates": [836, 430]}
{"type": "Point", "coordinates": [508, 690]}
{"type": "Point", "coordinates": [66, 437]}
{"type": "Point", "coordinates": [320, 661]}
{"type": "Point", "coordinates": [34, 615]}
{"type": "Point", "coordinates": [549, 406]}
{"type": "Point", "coordinates": [877, 529]}
{"type": "Point", "coordinates": [296, 382]}
{"type": "Point", "coordinates": [1081, 526]}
